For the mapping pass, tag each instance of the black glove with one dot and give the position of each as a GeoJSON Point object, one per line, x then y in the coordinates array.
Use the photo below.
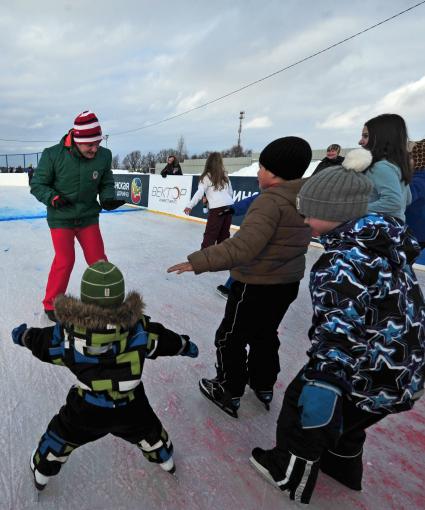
{"type": "Point", "coordinates": [163, 175]}
{"type": "Point", "coordinates": [228, 210]}
{"type": "Point", "coordinates": [59, 201]}
{"type": "Point", "coordinates": [110, 205]}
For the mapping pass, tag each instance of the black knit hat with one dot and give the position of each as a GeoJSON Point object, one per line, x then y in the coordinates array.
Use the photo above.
{"type": "Point", "coordinates": [287, 157]}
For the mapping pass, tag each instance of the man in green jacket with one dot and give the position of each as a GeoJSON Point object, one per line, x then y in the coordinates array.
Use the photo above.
{"type": "Point", "coordinates": [69, 177]}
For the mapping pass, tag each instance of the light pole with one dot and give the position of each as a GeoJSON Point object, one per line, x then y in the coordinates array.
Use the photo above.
{"type": "Point", "coordinates": [241, 117]}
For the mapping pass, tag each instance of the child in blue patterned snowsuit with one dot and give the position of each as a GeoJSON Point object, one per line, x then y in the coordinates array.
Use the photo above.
{"type": "Point", "coordinates": [103, 339]}
{"type": "Point", "coordinates": [367, 334]}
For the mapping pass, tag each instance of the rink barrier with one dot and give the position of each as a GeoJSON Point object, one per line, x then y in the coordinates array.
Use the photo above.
{"type": "Point", "coordinates": [169, 195]}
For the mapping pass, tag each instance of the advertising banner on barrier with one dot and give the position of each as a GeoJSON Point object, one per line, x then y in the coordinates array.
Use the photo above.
{"type": "Point", "coordinates": [169, 195]}
{"type": "Point", "coordinates": [133, 188]}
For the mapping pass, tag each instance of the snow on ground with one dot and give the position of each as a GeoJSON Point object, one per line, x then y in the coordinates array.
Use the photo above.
{"type": "Point", "coordinates": [211, 448]}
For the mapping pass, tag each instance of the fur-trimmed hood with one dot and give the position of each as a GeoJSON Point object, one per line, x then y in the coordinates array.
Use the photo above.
{"type": "Point", "coordinates": [71, 310]}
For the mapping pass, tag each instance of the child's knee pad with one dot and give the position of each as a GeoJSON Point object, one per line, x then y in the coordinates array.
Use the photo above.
{"type": "Point", "coordinates": [156, 447]}
{"type": "Point", "coordinates": [51, 453]}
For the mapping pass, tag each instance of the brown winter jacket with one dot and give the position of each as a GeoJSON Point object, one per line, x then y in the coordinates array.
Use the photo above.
{"type": "Point", "coordinates": [270, 246]}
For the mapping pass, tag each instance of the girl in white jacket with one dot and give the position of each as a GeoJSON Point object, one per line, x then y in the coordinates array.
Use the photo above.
{"type": "Point", "coordinates": [215, 183]}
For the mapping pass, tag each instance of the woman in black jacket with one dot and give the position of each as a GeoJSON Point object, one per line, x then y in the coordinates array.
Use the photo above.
{"type": "Point", "coordinates": [172, 167]}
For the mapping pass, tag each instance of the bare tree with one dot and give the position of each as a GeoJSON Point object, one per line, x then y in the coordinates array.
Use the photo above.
{"type": "Point", "coordinates": [133, 161]}
{"type": "Point", "coordinates": [181, 151]}
{"type": "Point", "coordinates": [116, 161]}
{"type": "Point", "coordinates": [147, 162]}
{"type": "Point", "coordinates": [236, 151]}
{"type": "Point", "coordinates": [162, 155]}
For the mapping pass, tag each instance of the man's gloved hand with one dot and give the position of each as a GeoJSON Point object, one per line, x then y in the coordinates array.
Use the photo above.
{"type": "Point", "coordinates": [18, 334]}
{"type": "Point", "coordinates": [110, 205]}
{"type": "Point", "coordinates": [58, 201]}
{"type": "Point", "coordinates": [190, 349]}
{"type": "Point", "coordinates": [320, 404]}
{"type": "Point", "coordinates": [228, 210]}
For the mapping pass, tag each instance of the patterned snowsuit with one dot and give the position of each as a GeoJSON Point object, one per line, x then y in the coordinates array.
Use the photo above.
{"type": "Point", "coordinates": [105, 349]}
{"type": "Point", "coordinates": [368, 339]}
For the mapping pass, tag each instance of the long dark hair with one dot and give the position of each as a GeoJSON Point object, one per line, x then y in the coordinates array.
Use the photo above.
{"type": "Point", "coordinates": [214, 169]}
{"type": "Point", "coordinates": [175, 163]}
{"type": "Point", "coordinates": [388, 140]}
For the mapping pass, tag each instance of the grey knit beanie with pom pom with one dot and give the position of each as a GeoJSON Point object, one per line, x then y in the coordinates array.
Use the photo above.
{"type": "Point", "coordinates": [338, 193]}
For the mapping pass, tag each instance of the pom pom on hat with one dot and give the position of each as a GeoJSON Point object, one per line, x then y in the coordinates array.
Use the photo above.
{"type": "Point", "coordinates": [338, 193]}
{"type": "Point", "coordinates": [357, 160]}
{"type": "Point", "coordinates": [87, 128]}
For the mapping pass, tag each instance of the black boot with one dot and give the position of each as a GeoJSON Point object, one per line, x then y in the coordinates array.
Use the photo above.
{"type": "Point", "coordinates": [347, 470]}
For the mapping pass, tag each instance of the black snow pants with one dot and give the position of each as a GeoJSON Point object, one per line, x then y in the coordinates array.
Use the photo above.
{"type": "Point", "coordinates": [340, 452]}
{"type": "Point", "coordinates": [79, 422]}
{"type": "Point", "coordinates": [252, 316]}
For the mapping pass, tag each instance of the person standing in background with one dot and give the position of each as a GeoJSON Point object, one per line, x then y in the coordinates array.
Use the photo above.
{"type": "Point", "coordinates": [30, 174]}
{"type": "Point", "coordinates": [172, 167]}
{"type": "Point", "coordinates": [69, 178]}
{"type": "Point", "coordinates": [385, 136]}
{"type": "Point", "coordinates": [215, 185]}
{"type": "Point", "coordinates": [415, 212]}
{"type": "Point", "coordinates": [332, 158]}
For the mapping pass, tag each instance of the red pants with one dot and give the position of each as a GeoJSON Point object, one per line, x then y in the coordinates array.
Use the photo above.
{"type": "Point", "coordinates": [91, 242]}
{"type": "Point", "coordinates": [217, 228]}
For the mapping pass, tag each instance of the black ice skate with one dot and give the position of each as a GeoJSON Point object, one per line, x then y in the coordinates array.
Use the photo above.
{"type": "Point", "coordinates": [223, 291]}
{"type": "Point", "coordinates": [40, 481]}
{"type": "Point", "coordinates": [264, 396]}
{"type": "Point", "coordinates": [215, 392]}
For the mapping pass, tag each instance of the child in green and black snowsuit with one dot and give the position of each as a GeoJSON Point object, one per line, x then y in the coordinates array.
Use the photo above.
{"type": "Point", "coordinates": [103, 339]}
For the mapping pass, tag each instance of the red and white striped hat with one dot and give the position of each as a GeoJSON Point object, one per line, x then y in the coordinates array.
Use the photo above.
{"type": "Point", "coordinates": [87, 128]}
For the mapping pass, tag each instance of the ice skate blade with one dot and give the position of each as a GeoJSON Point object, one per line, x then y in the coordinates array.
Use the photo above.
{"type": "Point", "coordinates": [231, 412]}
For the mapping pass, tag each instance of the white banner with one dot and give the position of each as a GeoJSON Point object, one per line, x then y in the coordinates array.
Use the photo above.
{"type": "Point", "coordinates": [170, 195]}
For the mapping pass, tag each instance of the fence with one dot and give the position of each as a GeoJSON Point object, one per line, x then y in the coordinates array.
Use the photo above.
{"type": "Point", "coordinates": [11, 162]}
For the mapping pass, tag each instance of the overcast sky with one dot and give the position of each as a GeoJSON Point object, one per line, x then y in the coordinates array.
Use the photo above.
{"type": "Point", "coordinates": [135, 62]}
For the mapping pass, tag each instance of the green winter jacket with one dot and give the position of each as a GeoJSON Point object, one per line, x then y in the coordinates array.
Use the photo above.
{"type": "Point", "coordinates": [62, 170]}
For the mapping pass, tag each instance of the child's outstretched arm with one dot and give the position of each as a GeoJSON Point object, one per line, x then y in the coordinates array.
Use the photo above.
{"type": "Point", "coordinates": [165, 342]}
{"type": "Point", "coordinates": [46, 344]}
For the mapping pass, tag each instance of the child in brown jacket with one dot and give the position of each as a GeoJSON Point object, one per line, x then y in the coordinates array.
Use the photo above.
{"type": "Point", "coordinates": [267, 262]}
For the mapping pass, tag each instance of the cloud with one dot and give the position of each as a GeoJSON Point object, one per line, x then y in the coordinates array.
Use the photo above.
{"type": "Point", "coordinates": [259, 123]}
{"type": "Point", "coordinates": [407, 100]}
{"type": "Point", "coordinates": [137, 65]}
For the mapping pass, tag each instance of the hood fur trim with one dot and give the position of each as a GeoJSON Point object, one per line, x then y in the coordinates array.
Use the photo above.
{"type": "Point", "coordinates": [71, 310]}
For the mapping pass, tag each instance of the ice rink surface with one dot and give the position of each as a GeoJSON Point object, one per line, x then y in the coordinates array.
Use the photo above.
{"type": "Point", "coordinates": [211, 448]}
